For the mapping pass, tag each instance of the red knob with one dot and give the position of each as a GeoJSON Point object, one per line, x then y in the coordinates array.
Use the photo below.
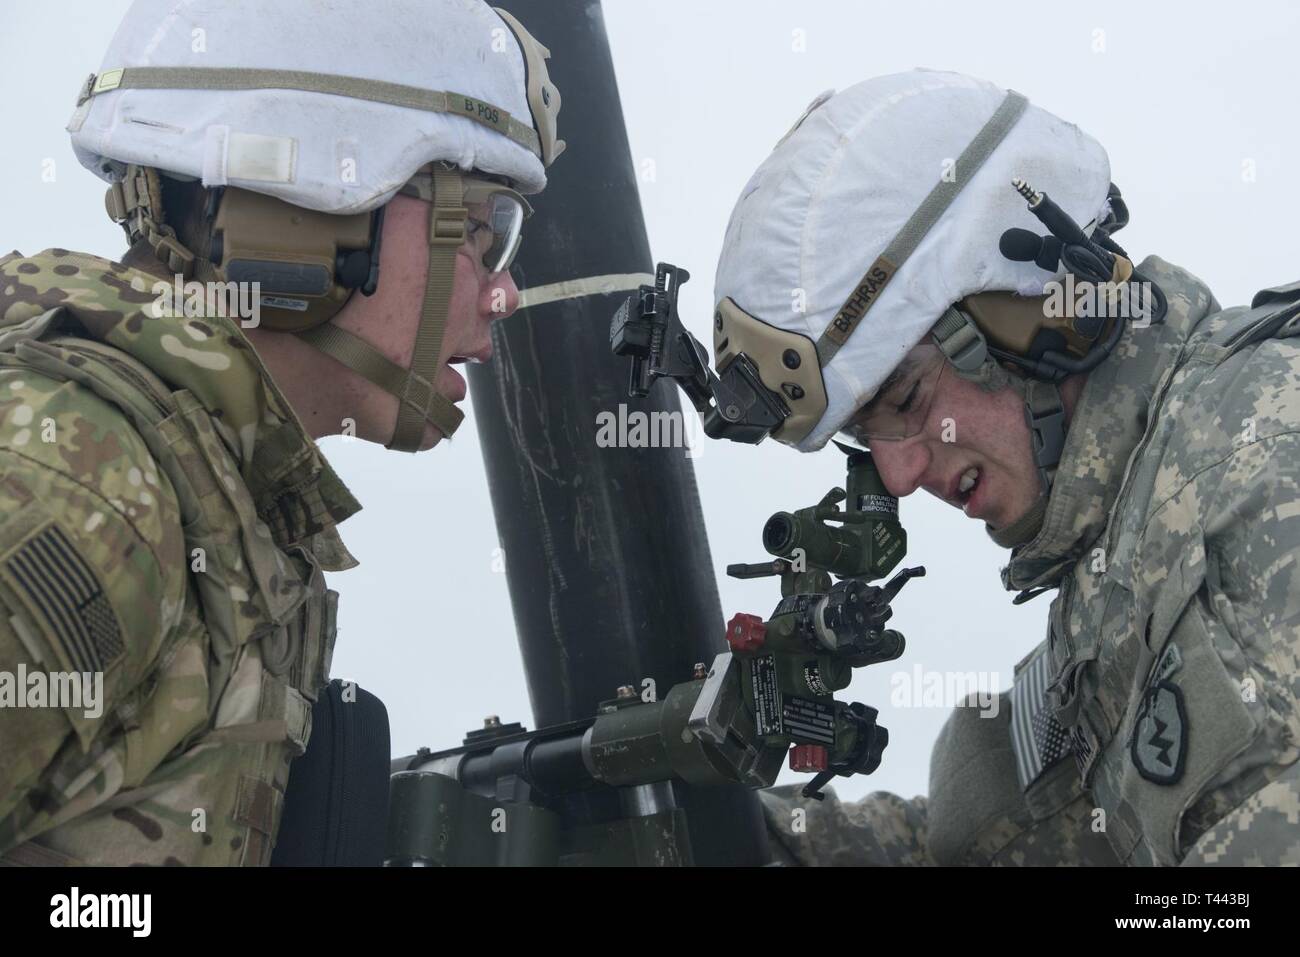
{"type": "Point", "coordinates": [808, 757]}
{"type": "Point", "coordinates": [745, 632]}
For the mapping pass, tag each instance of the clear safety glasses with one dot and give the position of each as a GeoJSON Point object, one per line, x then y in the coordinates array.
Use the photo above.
{"type": "Point", "coordinates": [494, 227]}
{"type": "Point", "coordinates": [899, 410]}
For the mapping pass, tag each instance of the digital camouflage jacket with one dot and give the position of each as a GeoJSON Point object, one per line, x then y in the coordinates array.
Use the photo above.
{"type": "Point", "coordinates": [164, 523]}
{"type": "Point", "coordinates": [1157, 723]}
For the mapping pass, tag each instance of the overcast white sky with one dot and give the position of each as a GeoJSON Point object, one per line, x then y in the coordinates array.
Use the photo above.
{"type": "Point", "coordinates": [1184, 96]}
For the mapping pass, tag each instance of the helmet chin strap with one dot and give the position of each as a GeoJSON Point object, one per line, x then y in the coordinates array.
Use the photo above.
{"type": "Point", "coordinates": [1045, 416]}
{"type": "Point", "coordinates": [965, 348]}
{"type": "Point", "coordinates": [418, 400]}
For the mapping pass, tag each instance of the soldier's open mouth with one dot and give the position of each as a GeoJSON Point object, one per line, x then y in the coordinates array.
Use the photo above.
{"type": "Point", "coordinates": [967, 487]}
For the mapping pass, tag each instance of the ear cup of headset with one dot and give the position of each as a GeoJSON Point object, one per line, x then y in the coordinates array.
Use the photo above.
{"type": "Point", "coordinates": [305, 264]}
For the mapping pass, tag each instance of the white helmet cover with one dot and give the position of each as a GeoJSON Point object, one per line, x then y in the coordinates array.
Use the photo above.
{"type": "Point", "coordinates": [337, 154]}
{"type": "Point", "coordinates": [839, 187]}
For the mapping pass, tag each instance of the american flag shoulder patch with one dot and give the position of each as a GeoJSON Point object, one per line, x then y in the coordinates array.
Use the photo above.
{"type": "Point", "coordinates": [1037, 738]}
{"type": "Point", "coordinates": [61, 588]}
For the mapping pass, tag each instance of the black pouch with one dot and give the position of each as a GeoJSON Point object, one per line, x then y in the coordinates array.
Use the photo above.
{"type": "Point", "coordinates": [336, 806]}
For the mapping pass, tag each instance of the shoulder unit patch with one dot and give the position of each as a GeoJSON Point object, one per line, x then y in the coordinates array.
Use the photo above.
{"type": "Point", "coordinates": [1159, 743]}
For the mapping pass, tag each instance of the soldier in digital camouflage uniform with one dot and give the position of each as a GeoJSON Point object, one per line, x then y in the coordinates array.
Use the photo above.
{"type": "Point", "coordinates": [165, 515]}
{"type": "Point", "coordinates": [1155, 491]}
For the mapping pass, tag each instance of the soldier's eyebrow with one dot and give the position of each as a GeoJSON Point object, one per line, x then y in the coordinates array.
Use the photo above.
{"type": "Point", "coordinates": [901, 371]}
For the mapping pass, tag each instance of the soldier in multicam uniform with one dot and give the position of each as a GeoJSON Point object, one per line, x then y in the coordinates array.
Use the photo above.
{"type": "Point", "coordinates": [165, 515]}
{"type": "Point", "coordinates": [1144, 464]}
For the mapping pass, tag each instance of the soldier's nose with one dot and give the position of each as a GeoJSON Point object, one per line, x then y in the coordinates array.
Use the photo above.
{"type": "Point", "coordinates": [902, 463]}
{"type": "Point", "coordinates": [503, 296]}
